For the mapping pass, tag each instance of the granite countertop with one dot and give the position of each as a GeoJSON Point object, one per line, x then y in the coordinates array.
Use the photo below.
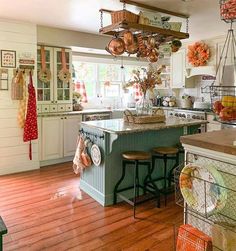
{"type": "Point", "coordinates": [220, 141]}
{"type": "Point", "coordinates": [118, 126]}
{"type": "Point", "coordinates": [86, 111]}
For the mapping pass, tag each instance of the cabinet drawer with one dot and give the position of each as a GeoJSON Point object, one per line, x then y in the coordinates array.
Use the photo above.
{"type": "Point", "coordinates": [53, 108]}
{"type": "Point", "coordinates": [61, 108]}
{"type": "Point", "coordinates": [68, 107]}
{"type": "Point", "coordinates": [45, 108]}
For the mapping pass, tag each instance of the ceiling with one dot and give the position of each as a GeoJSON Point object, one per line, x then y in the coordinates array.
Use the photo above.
{"type": "Point", "coordinates": [84, 15]}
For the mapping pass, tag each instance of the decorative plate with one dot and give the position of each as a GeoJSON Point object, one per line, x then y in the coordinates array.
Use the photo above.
{"type": "Point", "coordinates": [203, 188]}
{"type": "Point", "coordinates": [96, 155]}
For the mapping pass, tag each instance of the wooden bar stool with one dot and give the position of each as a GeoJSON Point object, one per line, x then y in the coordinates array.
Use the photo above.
{"type": "Point", "coordinates": [165, 154]}
{"type": "Point", "coordinates": [3, 230]}
{"type": "Point", "coordinates": [136, 159]}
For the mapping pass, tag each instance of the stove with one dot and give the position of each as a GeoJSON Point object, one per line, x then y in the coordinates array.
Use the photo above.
{"type": "Point", "coordinates": [191, 114]}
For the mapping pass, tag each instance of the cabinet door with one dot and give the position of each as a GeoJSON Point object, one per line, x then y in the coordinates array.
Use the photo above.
{"type": "Point", "coordinates": [52, 138]}
{"type": "Point", "coordinates": [45, 90]}
{"type": "Point", "coordinates": [62, 90]}
{"type": "Point", "coordinates": [71, 131]}
{"type": "Point", "coordinates": [178, 69]}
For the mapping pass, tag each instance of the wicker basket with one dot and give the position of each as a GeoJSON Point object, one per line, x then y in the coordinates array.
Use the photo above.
{"type": "Point", "coordinates": [157, 117]}
{"type": "Point", "coordinates": [123, 15]}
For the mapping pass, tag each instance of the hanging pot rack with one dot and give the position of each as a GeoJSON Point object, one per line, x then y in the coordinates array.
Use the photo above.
{"type": "Point", "coordinates": [117, 28]}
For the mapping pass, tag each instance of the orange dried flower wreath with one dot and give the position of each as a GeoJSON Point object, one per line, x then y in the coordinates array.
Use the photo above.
{"type": "Point", "coordinates": [198, 54]}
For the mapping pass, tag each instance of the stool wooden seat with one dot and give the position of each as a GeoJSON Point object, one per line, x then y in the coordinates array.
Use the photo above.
{"type": "Point", "coordinates": [136, 155]}
{"type": "Point", "coordinates": [165, 150]}
{"type": "Point", "coordinates": [135, 160]}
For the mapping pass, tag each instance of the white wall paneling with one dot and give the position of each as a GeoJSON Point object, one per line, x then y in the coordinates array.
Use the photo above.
{"type": "Point", "coordinates": [14, 153]}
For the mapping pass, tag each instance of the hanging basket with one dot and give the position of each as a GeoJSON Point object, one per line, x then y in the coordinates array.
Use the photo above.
{"type": "Point", "coordinates": [123, 16]}
{"type": "Point", "coordinates": [228, 10]}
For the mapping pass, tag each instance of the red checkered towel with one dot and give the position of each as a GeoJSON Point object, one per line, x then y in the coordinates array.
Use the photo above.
{"type": "Point", "coordinates": [80, 88]}
{"type": "Point", "coordinates": [137, 92]}
{"type": "Point", "coordinates": [192, 239]}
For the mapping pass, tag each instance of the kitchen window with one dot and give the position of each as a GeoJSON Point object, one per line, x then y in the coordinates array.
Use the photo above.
{"type": "Point", "coordinates": [103, 78]}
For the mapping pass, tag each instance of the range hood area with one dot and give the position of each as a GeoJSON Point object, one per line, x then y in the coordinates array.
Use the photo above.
{"type": "Point", "coordinates": [200, 70]}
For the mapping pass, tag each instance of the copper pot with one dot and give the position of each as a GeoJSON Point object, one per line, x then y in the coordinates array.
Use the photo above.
{"type": "Point", "coordinates": [128, 38]}
{"type": "Point", "coordinates": [153, 56]}
{"type": "Point", "coordinates": [132, 48]}
{"type": "Point", "coordinates": [116, 46]}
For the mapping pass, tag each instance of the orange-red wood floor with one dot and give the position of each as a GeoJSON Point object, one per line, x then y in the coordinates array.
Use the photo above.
{"type": "Point", "coordinates": [42, 212]}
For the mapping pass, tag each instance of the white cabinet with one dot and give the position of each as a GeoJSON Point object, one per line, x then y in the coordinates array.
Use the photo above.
{"type": "Point", "coordinates": [178, 69]}
{"type": "Point", "coordinates": [58, 136]}
{"type": "Point", "coordinates": [52, 140]}
{"type": "Point", "coordinates": [71, 126]}
{"type": "Point", "coordinates": [54, 95]}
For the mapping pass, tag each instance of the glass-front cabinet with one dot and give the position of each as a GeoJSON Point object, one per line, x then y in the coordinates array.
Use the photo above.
{"type": "Point", "coordinates": [53, 94]}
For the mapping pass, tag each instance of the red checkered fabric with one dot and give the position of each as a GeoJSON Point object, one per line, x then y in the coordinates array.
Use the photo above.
{"type": "Point", "coordinates": [192, 239]}
{"type": "Point", "coordinates": [80, 88]}
{"type": "Point", "coordinates": [137, 92]}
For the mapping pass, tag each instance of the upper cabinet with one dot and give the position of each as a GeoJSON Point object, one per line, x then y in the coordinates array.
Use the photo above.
{"type": "Point", "coordinates": [178, 69]}
{"type": "Point", "coordinates": [54, 95]}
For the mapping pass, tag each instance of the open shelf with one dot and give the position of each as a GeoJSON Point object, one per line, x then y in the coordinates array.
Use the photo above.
{"type": "Point", "coordinates": [134, 27]}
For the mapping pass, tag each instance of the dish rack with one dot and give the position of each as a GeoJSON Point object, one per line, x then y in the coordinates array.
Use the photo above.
{"type": "Point", "coordinates": [226, 217]}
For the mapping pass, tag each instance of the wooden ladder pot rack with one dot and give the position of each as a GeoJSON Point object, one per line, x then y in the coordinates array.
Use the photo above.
{"type": "Point", "coordinates": [117, 28]}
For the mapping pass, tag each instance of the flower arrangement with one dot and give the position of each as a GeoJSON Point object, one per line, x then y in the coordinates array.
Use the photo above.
{"type": "Point", "coordinates": [146, 79]}
{"type": "Point", "coordinates": [198, 54]}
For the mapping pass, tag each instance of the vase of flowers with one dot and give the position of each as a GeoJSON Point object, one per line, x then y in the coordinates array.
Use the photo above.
{"type": "Point", "coordinates": [146, 80]}
{"type": "Point", "coordinates": [144, 106]}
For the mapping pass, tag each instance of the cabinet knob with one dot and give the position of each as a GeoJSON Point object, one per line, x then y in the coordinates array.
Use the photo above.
{"type": "Point", "coordinates": [65, 118]}
{"type": "Point", "coordinates": [61, 118]}
{"type": "Point", "coordinates": [55, 101]}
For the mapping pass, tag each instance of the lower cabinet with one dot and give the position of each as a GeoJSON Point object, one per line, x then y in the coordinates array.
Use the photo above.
{"type": "Point", "coordinates": [58, 136]}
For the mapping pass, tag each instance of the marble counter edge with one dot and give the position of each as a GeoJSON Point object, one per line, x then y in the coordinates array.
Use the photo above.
{"type": "Point", "coordinates": [143, 129]}
{"type": "Point", "coordinates": [71, 113]}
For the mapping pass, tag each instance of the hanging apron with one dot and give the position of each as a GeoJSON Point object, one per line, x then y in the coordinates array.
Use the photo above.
{"type": "Point", "coordinates": [31, 127]}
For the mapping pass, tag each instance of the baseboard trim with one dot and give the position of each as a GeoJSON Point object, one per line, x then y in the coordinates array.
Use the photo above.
{"type": "Point", "coordinates": [55, 161]}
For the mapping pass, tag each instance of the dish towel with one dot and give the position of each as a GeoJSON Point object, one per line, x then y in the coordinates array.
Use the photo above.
{"type": "Point", "coordinates": [192, 239]}
{"type": "Point", "coordinates": [78, 165]}
{"type": "Point", "coordinates": [224, 236]}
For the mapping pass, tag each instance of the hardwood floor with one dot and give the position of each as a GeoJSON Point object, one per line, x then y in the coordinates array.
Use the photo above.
{"type": "Point", "coordinates": [42, 212]}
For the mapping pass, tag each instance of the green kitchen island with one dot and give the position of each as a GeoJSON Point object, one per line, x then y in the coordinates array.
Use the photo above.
{"type": "Point", "coordinates": [115, 136]}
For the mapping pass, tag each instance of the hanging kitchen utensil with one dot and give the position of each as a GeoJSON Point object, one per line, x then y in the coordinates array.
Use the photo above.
{"type": "Point", "coordinates": [44, 74]}
{"type": "Point", "coordinates": [128, 38]}
{"type": "Point", "coordinates": [17, 86]}
{"type": "Point", "coordinates": [22, 104]}
{"type": "Point", "coordinates": [64, 74]}
{"type": "Point", "coordinates": [96, 155]}
{"type": "Point", "coordinates": [116, 46]}
{"type": "Point", "coordinates": [31, 126]}
{"type": "Point", "coordinates": [132, 48]}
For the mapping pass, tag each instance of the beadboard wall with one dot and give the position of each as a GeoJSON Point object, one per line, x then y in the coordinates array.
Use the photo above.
{"type": "Point", "coordinates": [22, 38]}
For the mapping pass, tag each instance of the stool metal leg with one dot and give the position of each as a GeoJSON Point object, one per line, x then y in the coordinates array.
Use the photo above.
{"type": "Point", "coordinates": [135, 185]}
{"type": "Point", "coordinates": [119, 182]}
{"type": "Point", "coordinates": [149, 175]}
{"type": "Point", "coordinates": [165, 172]}
{"type": "Point", "coordinates": [173, 168]}
{"type": "Point", "coordinates": [151, 171]}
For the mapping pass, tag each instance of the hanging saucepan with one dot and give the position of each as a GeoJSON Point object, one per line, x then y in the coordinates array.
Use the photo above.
{"type": "Point", "coordinates": [128, 38]}
{"type": "Point", "coordinates": [116, 46]}
{"type": "Point", "coordinates": [132, 48]}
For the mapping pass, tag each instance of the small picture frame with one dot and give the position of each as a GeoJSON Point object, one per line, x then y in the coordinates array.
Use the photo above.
{"type": "Point", "coordinates": [3, 79]}
{"type": "Point", "coordinates": [8, 59]}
